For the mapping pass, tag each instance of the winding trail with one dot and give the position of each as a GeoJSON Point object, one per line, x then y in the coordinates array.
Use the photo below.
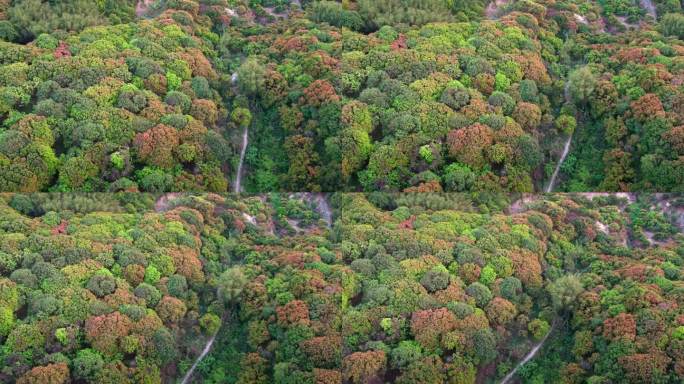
{"type": "Point", "coordinates": [566, 150]}
{"type": "Point", "coordinates": [199, 359]}
{"type": "Point", "coordinates": [164, 201]}
{"type": "Point", "coordinates": [522, 204]}
{"type": "Point", "coordinates": [528, 357]}
{"type": "Point", "coordinates": [492, 10]}
{"type": "Point", "coordinates": [566, 147]}
{"type": "Point", "coordinates": [237, 184]}
{"type": "Point", "coordinates": [142, 6]}
{"type": "Point", "coordinates": [162, 205]}
{"type": "Point", "coordinates": [324, 209]}
{"type": "Point", "coordinates": [237, 187]}
{"type": "Point", "coordinates": [629, 196]}
{"type": "Point", "coordinates": [650, 8]}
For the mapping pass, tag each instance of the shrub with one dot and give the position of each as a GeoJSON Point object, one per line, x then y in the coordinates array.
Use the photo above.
{"type": "Point", "coordinates": [405, 353]}
{"type": "Point", "coordinates": [101, 284]}
{"type": "Point", "coordinates": [210, 323]}
{"type": "Point", "coordinates": [480, 293]}
{"type": "Point", "coordinates": [455, 98]}
{"type": "Point", "coordinates": [332, 13]}
{"type": "Point", "coordinates": [538, 328]}
{"type": "Point", "coordinates": [672, 24]}
{"type": "Point", "coordinates": [435, 280]}
{"type": "Point", "coordinates": [150, 294]}
{"type": "Point", "coordinates": [87, 364]}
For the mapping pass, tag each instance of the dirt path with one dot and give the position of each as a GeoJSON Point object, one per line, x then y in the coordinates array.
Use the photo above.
{"type": "Point", "coordinates": [650, 8]}
{"type": "Point", "coordinates": [528, 357]}
{"type": "Point", "coordinates": [522, 204]}
{"type": "Point", "coordinates": [205, 351]}
{"type": "Point", "coordinates": [319, 203]}
{"type": "Point", "coordinates": [566, 147]}
{"type": "Point", "coordinates": [285, 14]}
{"type": "Point", "coordinates": [237, 187]}
{"type": "Point", "coordinates": [142, 7]}
{"type": "Point", "coordinates": [162, 204]}
{"type": "Point", "coordinates": [646, 5]}
{"type": "Point", "coordinates": [630, 197]}
{"type": "Point", "coordinates": [493, 9]}
{"type": "Point", "coordinates": [199, 359]}
{"type": "Point", "coordinates": [566, 150]}
{"type": "Point", "coordinates": [581, 19]}
{"type": "Point", "coordinates": [324, 209]}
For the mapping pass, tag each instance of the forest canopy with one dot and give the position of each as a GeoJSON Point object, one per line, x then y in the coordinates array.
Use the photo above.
{"type": "Point", "coordinates": [430, 287]}
{"type": "Point", "coordinates": [385, 95]}
{"type": "Point", "coordinates": [341, 191]}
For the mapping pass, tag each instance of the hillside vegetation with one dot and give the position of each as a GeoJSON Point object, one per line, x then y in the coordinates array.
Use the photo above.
{"type": "Point", "coordinates": [351, 96]}
{"type": "Point", "coordinates": [430, 288]}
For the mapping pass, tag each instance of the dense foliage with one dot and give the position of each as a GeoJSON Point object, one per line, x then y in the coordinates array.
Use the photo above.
{"type": "Point", "coordinates": [116, 288]}
{"type": "Point", "coordinates": [406, 288]}
{"type": "Point", "coordinates": [429, 120]}
{"type": "Point", "coordinates": [125, 107]}
{"type": "Point", "coordinates": [453, 106]}
{"type": "Point", "coordinates": [25, 20]}
{"type": "Point", "coordinates": [630, 137]}
{"type": "Point", "coordinates": [355, 95]}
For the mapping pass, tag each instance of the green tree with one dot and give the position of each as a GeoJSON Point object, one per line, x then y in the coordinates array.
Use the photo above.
{"type": "Point", "coordinates": [413, 12]}
{"type": "Point", "coordinates": [427, 370]}
{"type": "Point", "coordinates": [87, 364]}
{"type": "Point", "coordinates": [210, 323]}
{"type": "Point", "coordinates": [251, 77]}
{"type": "Point", "coordinates": [177, 286]}
{"type": "Point", "coordinates": [152, 275]}
{"type": "Point", "coordinates": [101, 284]}
{"type": "Point", "coordinates": [201, 87]}
{"type": "Point", "coordinates": [164, 345]}
{"type": "Point", "coordinates": [405, 353]}
{"type": "Point", "coordinates": [582, 83]}
{"type": "Point", "coordinates": [150, 294]}
{"type": "Point", "coordinates": [564, 292]}
{"type": "Point", "coordinates": [480, 293]}
{"type": "Point", "coordinates": [242, 117]}
{"type": "Point", "coordinates": [33, 17]}
{"type": "Point", "coordinates": [487, 275]}
{"type": "Point", "coordinates": [230, 285]}
{"type": "Point", "coordinates": [458, 177]}
{"type": "Point", "coordinates": [539, 328]}
{"type": "Point", "coordinates": [435, 280]}
{"type": "Point", "coordinates": [486, 345]}
{"type": "Point", "coordinates": [566, 124]}
{"type": "Point", "coordinates": [6, 321]}
{"type": "Point", "coordinates": [333, 13]}
{"type": "Point", "coordinates": [672, 24]}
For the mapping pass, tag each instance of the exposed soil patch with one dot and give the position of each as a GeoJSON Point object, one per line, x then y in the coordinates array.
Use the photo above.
{"type": "Point", "coordinates": [162, 204]}
{"type": "Point", "coordinates": [493, 10]}
{"type": "Point", "coordinates": [142, 7]}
